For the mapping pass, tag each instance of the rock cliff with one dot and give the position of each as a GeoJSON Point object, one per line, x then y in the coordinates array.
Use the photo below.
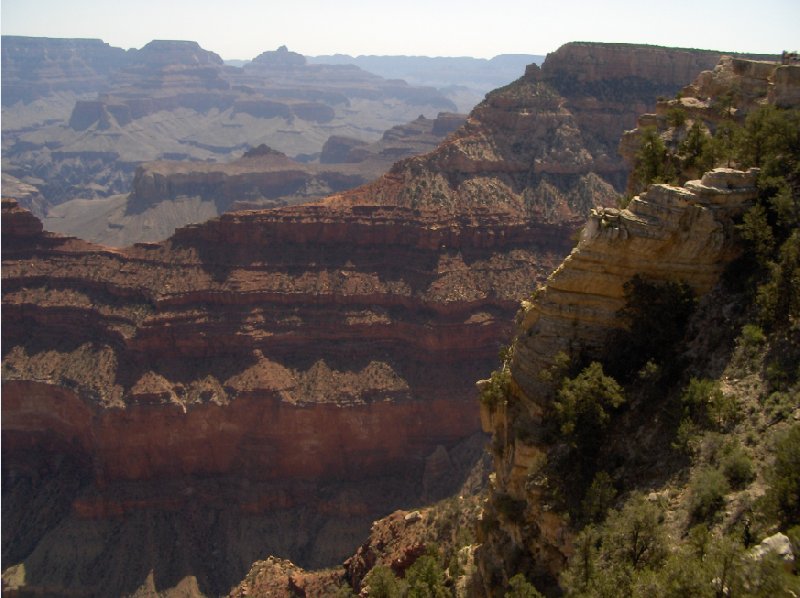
{"type": "Point", "coordinates": [169, 194]}
{"type": "Point", "coordinates": [668, 233]}
{"type": "Point", "coordinates": [80, 116]}
{"type": "Point", "coordinates": [264, 361]}
{"type": "Point", "coordinates": [292, 352]}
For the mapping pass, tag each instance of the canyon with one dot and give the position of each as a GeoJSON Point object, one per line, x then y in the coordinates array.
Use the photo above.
{"type": "Point", "coordinates": [272, 381]}
{"type": "Point", "coordinates": [166, 195]}
{"type": "Point", "coordinates": [79, 116]}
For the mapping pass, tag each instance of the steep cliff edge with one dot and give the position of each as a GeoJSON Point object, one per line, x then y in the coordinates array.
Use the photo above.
{"type": "Point", "coordinates": [644, 435]}
{"type": "Point", "coordinates": [691, 231]}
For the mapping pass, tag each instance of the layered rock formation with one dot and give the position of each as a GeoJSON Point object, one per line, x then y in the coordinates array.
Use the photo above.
{"type": "Point", "coordinates": [545, 146]}
{"type": "Point", "coordinates": [282, 354]}
{"type": "Point", "coordinates": [36, 67]}
{"type": "Point", "coordinates": [266, 361]}
{"type": "Point", "coordinates": [80, 116]}
{"type": "Point", "coordinates": [668, 233]}
{"type": "Point", "coordinates": [170, 194]}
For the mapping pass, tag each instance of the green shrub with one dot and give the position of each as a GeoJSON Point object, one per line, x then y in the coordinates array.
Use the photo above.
{"type": "Point", "coordinates": [696, 396]}
{"type": "Point", "coordinates": [426, 579]}
{"type": "Point", "coordinates": [634, 535]}
{"type": "Point", "coordinates": [383, 583]}
{"type": "Point", "coordinates": [599, 497]}
{"type": "Point", "coordinates": [707, 489]}
{"type": "Point", "coordinates": [780, 405]}
{"type": "Point", "coordinates": [685, 436]}
{"type": "Point", "coordinates": [724, 144]}
{"type": "Point", "coordinates": [496, 391]}
{"type": "Point", "coordinates": [758, 235]}
{"type": "Point", "coordinates": [695, 150]}
{"type": "Point", "coordinates": [676, 117]}
{"type": "Point", "coordinates": [580, 574]}
{"type": "Point", "coordinates": [723, 409]}
{"type": "Point", "coordinates": [584, 403]}
{"type": "Point", "coordinates": [737, 466]}
{"type": "Point", "coordinates": [752, 336]}
{"type": "Point", "coordinates": [344, 591]}
{"type": "Point", "coordinates": [783, 493]}
{"type": "Point", "coordinates": [706, 404]}
{"type": "Point", "coordinates": [778, 298]}
{"type": "Point", "coordinates": [519, 587]}
{"type": "Point", "coordinates": [606, 559]}
{"type": "Point", "coordinates": [653, 162]}
{"type": "Point", "coordinates": [650, 372]}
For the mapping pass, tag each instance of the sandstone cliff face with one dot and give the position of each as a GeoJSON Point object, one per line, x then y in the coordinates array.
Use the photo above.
{"type": "Point", "coordinates": [667, 233]}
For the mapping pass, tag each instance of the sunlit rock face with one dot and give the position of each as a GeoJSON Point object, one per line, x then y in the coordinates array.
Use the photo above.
{"type": "Point", "coordinates": [667, 233]}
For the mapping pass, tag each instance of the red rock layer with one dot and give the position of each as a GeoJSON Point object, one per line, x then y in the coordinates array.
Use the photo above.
{"type": "Point", "coordinates": [291, 298]}
{"type": "Point", "coordinates": [309, 345]}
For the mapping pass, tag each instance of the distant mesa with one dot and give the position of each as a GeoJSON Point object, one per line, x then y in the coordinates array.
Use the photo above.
{"type": "Point", "coordinates": [281, 58]}
{"type": "Point", "coordinates": [262, 151]}
{"type": "Point", "coordinates": [104, 111]}
{"type": "Point", "coordinates": [160, 53]}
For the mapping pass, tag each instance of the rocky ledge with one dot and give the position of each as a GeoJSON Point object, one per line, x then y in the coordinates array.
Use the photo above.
{"type": "Point", "coordinates": [668, 234]}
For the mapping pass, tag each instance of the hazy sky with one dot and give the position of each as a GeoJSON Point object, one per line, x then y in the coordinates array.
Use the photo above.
{"type": "Point", "coordinates": [245, 28]}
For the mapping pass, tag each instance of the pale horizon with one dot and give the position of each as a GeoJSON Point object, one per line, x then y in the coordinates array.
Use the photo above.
{"type": "Point", "coordinates": [242, 29]}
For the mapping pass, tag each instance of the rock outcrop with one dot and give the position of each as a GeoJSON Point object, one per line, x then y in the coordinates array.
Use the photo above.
{"type": "Point", "coordinates": [730, 91]}
{"type": "Point", "coordinates": [668, 233]}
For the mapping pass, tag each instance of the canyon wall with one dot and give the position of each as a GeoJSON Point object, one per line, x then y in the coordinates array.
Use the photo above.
{"type": "Point", "coordinates": [303, 368]}
{"type": "Point", "coordinates": [683, 233]}
{"type": "Point", "coordinates": [79, 116]}
{"type": "Point", "coordinates": [168, 194]}
{"type": "Point", "coordinates": [295, 365]}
